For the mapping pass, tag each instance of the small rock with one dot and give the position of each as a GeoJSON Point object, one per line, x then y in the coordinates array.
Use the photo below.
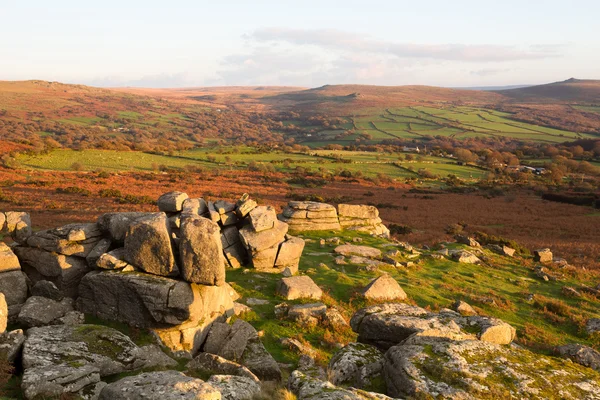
{"type": "Point", "coordinates": [298, 287]}
{"type": "Point", "coordinates": [384, 288]}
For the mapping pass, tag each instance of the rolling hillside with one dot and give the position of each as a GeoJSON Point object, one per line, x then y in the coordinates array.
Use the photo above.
{"type": "Point", "coordinates": [569, 91]}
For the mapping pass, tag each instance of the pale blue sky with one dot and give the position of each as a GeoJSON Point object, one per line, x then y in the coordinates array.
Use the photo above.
{"type": "Point", "coordinates": [305, 43]}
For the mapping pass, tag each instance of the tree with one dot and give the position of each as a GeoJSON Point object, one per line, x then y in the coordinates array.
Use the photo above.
{"type": "Point", "coordinates": [464, 155]}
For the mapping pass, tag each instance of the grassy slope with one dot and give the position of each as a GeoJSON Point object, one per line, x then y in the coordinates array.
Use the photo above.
{"type": "Point", "coordinates": [547, 319]}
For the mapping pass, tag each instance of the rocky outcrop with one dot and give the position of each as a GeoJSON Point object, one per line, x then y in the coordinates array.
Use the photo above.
{"type": "Point", "coordinates": [161, 385]}
{"type": "Point", "coordinates": [362, 218]}
{"type": "Point", "coordinates": [235, 387]}
{"type": "Point", "coordinates": [306, 386]}
{"type": "Point", "coordinates": [310, 216]}
{"type": "Point", "coordinates": [41, 311]}
{"type": "Point", "coordinates": [580, 354]}
{"type": "Point", "coordinates": [464, 368]}
{"type": "Point", "coordinates": [16, 224]}
{"type": "Point", "coordinates": [386, 325]}
{"type": "Point", "coordinates": [13, 285]}
{"type": "Point", "coordinates": [8, 259]}
{"type": "Point", "coordinates": [64, 359]}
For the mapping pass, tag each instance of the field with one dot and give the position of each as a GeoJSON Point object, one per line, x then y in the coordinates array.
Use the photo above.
{"type": "Point", "coordinates": [369, 164]}
{"type": "Point", "coordinates": [457, 122]}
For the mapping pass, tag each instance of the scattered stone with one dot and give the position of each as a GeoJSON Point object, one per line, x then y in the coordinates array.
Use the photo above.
{"type": "Point", "coordinates": [469, 241]}
{"type": "Point", "coordinates": [244, 205]}
{"type": "Point", "coordinates": [308, 385]}
{"type": "Point", "coordinates": [362, 251]}
{"type": "Point", "coordinates": [251, 301]}
{"type": "Point", "coordinates": [201, 252]}
{"type": "Point", "coordinates": [312, 309]}
{"type": "Point", "coordinates": [172, 201]}
{"type": "Point", "coordinates": [240, 309]}
{"type": "Point", "coordinates": [542, 255]}
{"type": "Point", "coordinates": [334, 319]}
{"type": "Point", "coordinates": [298, 287]}
{"type": "Point", "coordinates": [340, 260]}
{"type": "Point", "coordinates": [160, 385]}
{"type": "Point", "coordinates": [463, 308]}
{"type": "Point", "coordinates": [463, 256]}
{"type": "Point", "coordinates": [383, 288]}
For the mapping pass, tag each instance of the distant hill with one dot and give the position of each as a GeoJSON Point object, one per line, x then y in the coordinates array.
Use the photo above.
{"type": "Point", "coordinates": [571, 90]}
{"type": "Point", "coordinates": [345, 97]}
{"type": "Point", "coordinates": [494, 88]}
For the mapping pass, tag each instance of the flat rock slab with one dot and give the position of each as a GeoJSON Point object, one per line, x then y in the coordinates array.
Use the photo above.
{"type": "Point", "coordinates": [298, 287]}
{"type": "Point", "coordinates": [211, 364]}
{"type": "Point", "coordinates": [162, 385]}
{"type": "Point", "coordinates": [40, 311]}
{"type": "Point", "coordinates": [363, 251]}
{"type": "Point", "coordinates": [235, 387]}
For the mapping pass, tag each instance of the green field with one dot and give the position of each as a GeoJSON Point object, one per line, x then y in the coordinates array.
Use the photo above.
{"type": "Point", "coordinates": [369, 164]}
{"type": "Point", "coordinates": [459, 122]}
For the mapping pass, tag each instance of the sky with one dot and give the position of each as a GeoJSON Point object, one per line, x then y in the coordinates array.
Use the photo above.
{"type": "Point", "coordinates": [181, 43]}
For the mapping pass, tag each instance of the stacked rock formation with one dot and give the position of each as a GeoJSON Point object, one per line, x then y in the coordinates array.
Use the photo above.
{"type": "Point", "coordinates": [362, 218]}
{"type": "Point", "coordinates": [163, 271]}
{"type": "Point", "coordinates": [312, 216]}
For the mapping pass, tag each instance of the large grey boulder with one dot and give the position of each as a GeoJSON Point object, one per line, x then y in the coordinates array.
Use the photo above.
{"type": "Point", "coordinates": [179, 313]}
{"type": "Point", "coordinates": [65, 359]}
{"type": "Point", "coordinates": [13, 285]}
{"type": "Point", "coordinates": [290, 252]}
{"type": "Point", "coordinates": [235, 387]}
{"type": "Point", "coordinates": [310, 216]}
{"type": "Point", "coordinates": [117, 224]}
{"type": "Point", "coordinates": [8, 259]}
{"type": "Point", "coordinates": [201, 252]}
{"type": "Point", "coordinates": [205, 364]}
{"type": "Point", "coordinates": [160, 385]}
{"type": "Point", "coordinates": [466, 257]}
{"type": "Point", "coordinates": [386, 325]}
{"type": "Point", "coordinates": [148, 245]}
{"type": "Point", "coordinates": [383, 288]}
{"type": "Point", "coordinates": [172, 201]}
{"type": "Point", "coordinates": [298, 287]}
{"type": "Point", "coordinates": [463, 368]}
{"type": "Point", "coordinates": [114, 259]}
{"type": "Point", "coordinates": [192, 207]}
{"type": "Point", "coordinates": [101, 247]}
{"type": "Point", "coordinates": [40, 311]}
{"type": "Point", "coordinates": [358, 365]}
{"type": "Point", "coordinates": [240, 343]}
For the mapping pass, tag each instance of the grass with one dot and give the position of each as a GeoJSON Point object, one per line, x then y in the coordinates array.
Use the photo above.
{"type": "Point", "coordinates": [550, 319]}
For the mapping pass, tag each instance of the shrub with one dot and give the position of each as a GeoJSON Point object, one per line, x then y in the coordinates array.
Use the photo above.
{"type": "Point", "coordinates": [75, 190]}
{"type": "Point", "coordinates": [396, 229]}
{"type": "Point", "coordinates": [109, 193]}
